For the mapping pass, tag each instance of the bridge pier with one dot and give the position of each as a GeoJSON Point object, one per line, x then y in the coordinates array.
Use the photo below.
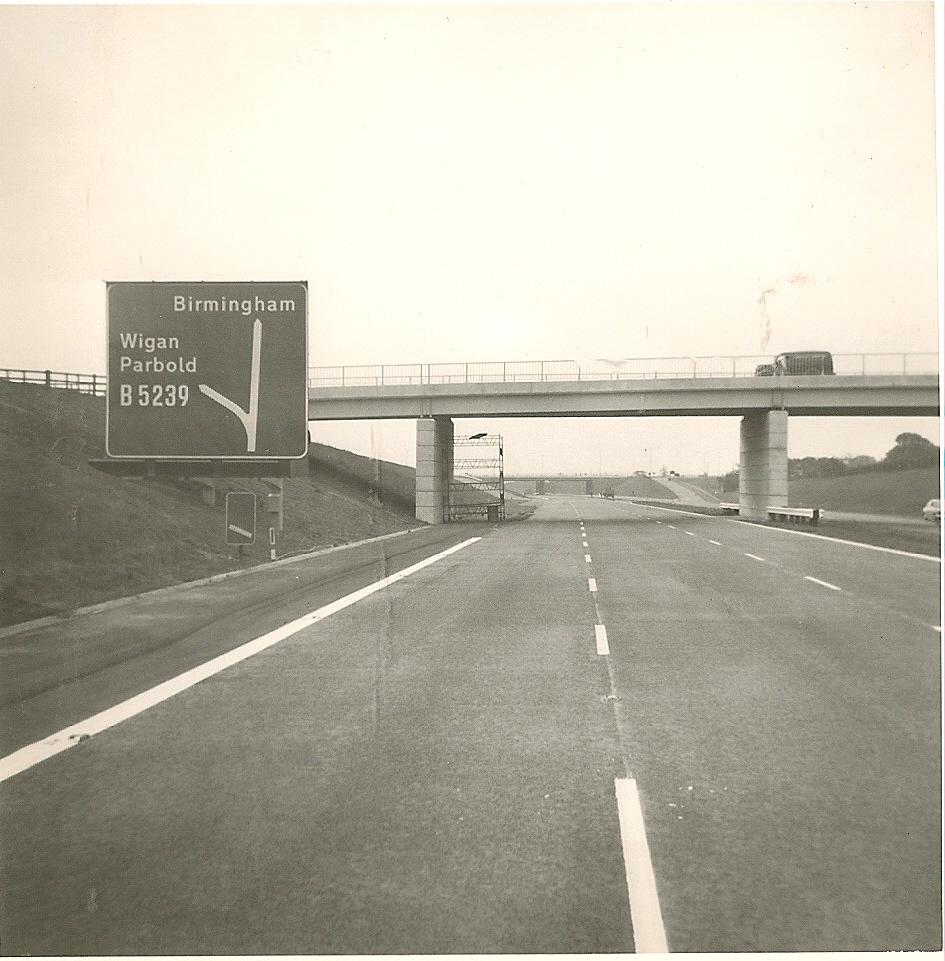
{"type": "Point", "coordinates": [434, 468]}
{"type": "Point", "coordinates": [763, 464]}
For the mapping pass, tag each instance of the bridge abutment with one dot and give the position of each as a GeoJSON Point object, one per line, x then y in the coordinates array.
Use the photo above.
{"type": "Point", "coordinates": [434, 468]}
{"type": "Point", "coordinates": [763, 463]}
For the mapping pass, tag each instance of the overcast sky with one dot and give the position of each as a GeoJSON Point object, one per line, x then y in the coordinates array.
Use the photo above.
{"type": "Point", "coordinates": [472, 182]}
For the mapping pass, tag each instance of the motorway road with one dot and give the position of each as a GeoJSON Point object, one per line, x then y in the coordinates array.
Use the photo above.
{"type": "Point", "coordinates": [435, 767]}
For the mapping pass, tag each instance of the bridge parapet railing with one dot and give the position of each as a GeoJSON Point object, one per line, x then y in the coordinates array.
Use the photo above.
{"type": "Point", "coordinates": [84, 383]}
{"type": "Point", "coordinates": [635, 368]}
{"type": "Point", "coordinates": [891, 363]}
{"type": "Point", "coordinates": [533, 371]}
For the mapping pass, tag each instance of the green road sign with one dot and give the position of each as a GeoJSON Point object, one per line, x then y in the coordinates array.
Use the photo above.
{"type": "Point", "coordinates": [240, 517]}
{"type": "Point", "coordinates": [207, 370]}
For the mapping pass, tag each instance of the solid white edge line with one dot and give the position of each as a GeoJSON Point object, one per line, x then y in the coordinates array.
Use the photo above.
{"type": "Point", "coordinates": [678, 510]}
{"type": "Point", "coordinates": [815, 580]}
{"type": "Point", "coordinates": [840, 540]}
{"type": "Point", "coordinates": [784, 530]}
{"type": "Point", "coordinates": [600, 635]}
{"type": "Point", "coordinates": [32, 754]}
{"type": "Point", "coordinates": [649, 935]}
{"type": "Point", "coordinates": [289, 559]}
{"type": "Point", "coordinates": [755, 557]}
{"type": "Point", "coordinates": [592, 583]}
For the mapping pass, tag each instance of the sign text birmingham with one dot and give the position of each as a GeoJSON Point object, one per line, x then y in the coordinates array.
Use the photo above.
{"type": "Point", "coordinates": [131, 340]}
{"type": "Point", "coordinates": [196, 305]}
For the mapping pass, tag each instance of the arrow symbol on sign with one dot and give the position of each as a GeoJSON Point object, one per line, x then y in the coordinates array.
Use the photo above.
{"type": "Point", "coordinates": [239, 530]}
{"type": "Point", "coordinates": [247, 417]}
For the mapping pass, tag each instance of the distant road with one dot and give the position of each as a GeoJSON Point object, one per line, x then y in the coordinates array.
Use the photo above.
{"type": "Point", "coordinates": [689, 493]}
{"type": "Point", "coordinates": [434, 766]}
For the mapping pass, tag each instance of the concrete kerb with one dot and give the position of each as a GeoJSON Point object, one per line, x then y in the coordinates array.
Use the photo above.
{"type": "Point", "coordinates": [213, 579]}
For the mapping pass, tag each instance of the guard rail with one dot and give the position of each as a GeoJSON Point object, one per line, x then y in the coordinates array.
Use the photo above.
{"type": "Point", "coordinates": [793, 515]}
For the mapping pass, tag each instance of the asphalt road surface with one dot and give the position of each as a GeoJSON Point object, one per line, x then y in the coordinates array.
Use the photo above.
{"type": "Point", "coordinates": [608, 728]}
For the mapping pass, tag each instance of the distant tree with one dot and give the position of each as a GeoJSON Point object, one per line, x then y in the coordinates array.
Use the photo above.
{"type": "Point", "coordinates": [830, 467]}
{"type": "Point", "coordinates": [859, 463]}
{"type": "Point", "coordinates": [911, 450]}
{"type": "Point", "coordinates": [730, 481]}
{"type": "Point", "coordinates": [807, 467]}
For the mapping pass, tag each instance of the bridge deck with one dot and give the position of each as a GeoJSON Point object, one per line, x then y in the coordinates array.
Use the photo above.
{"type": "Point", "coordinates": [892, 395]}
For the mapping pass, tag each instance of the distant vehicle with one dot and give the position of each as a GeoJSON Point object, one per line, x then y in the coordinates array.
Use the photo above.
{"type": "Point", "coordinates": [803, 363]}
{"type": "Point", "coordinates": [933, 511]}
{"type": "Point", "coordinates": [609, 492]}
{"type": "Point", "coordinates": [764, 370]}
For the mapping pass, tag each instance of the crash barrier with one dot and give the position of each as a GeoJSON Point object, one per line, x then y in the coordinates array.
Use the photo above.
{"type": "Point", "coordinates": [794, 515]}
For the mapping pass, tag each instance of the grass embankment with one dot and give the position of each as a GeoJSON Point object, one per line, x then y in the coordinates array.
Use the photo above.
{"type": "Point", "coordinates": [903, 492]}
{"type": "Point", "coordinates": [643, 487]}
{"type": "Point", "coordinates": [71, 535]}
{"type": "Point", "coordinates": [705, 486]}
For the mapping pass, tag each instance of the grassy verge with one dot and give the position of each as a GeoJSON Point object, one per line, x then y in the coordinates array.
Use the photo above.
{"type": "Point", "coordinates": [905, 537]}
{"type": "Point", "coordinates": [917, 540]}
{"type": "Point", "coordinates": [874, 492]}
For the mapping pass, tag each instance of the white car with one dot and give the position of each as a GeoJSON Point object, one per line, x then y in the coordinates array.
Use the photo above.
{"type": "Point", "coordinates": [933, 511]}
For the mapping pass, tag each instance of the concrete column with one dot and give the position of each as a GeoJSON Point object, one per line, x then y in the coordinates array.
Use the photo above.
{"type": "Point", "coordinates": [434, 468]}
{"type": "Point", "coordinates": [763, 478]}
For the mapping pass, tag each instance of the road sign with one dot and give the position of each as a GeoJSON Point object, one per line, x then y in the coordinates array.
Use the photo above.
{"type": "Point", "coordinates": [207, 370]}
{"type": "Point", "coordinates": [240, 517]}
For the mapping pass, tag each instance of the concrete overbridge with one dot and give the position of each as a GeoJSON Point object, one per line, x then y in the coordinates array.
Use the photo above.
{"type": "Point", "coordinates": [877, 385]}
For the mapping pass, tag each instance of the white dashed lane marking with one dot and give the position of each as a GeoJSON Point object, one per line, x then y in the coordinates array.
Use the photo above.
{"type": "Point", "coordinates": [649, 935]}
{"type": "Point", "coordinates": [755, 557]}
{"type": "Point", "coordinates": [600, 633]}
{"type": "Point", "coordinates": [717, 544]}
{"type": "Point", "coordinates": [592, 584]}
{"type": "Point", "coordinates": [587, 558]}
{"type": "Point", "coordinates": [815, 580]}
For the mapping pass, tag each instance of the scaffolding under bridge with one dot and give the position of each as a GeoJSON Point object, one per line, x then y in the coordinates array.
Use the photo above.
{"type": "Point", "coordinates": [477, 484]}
